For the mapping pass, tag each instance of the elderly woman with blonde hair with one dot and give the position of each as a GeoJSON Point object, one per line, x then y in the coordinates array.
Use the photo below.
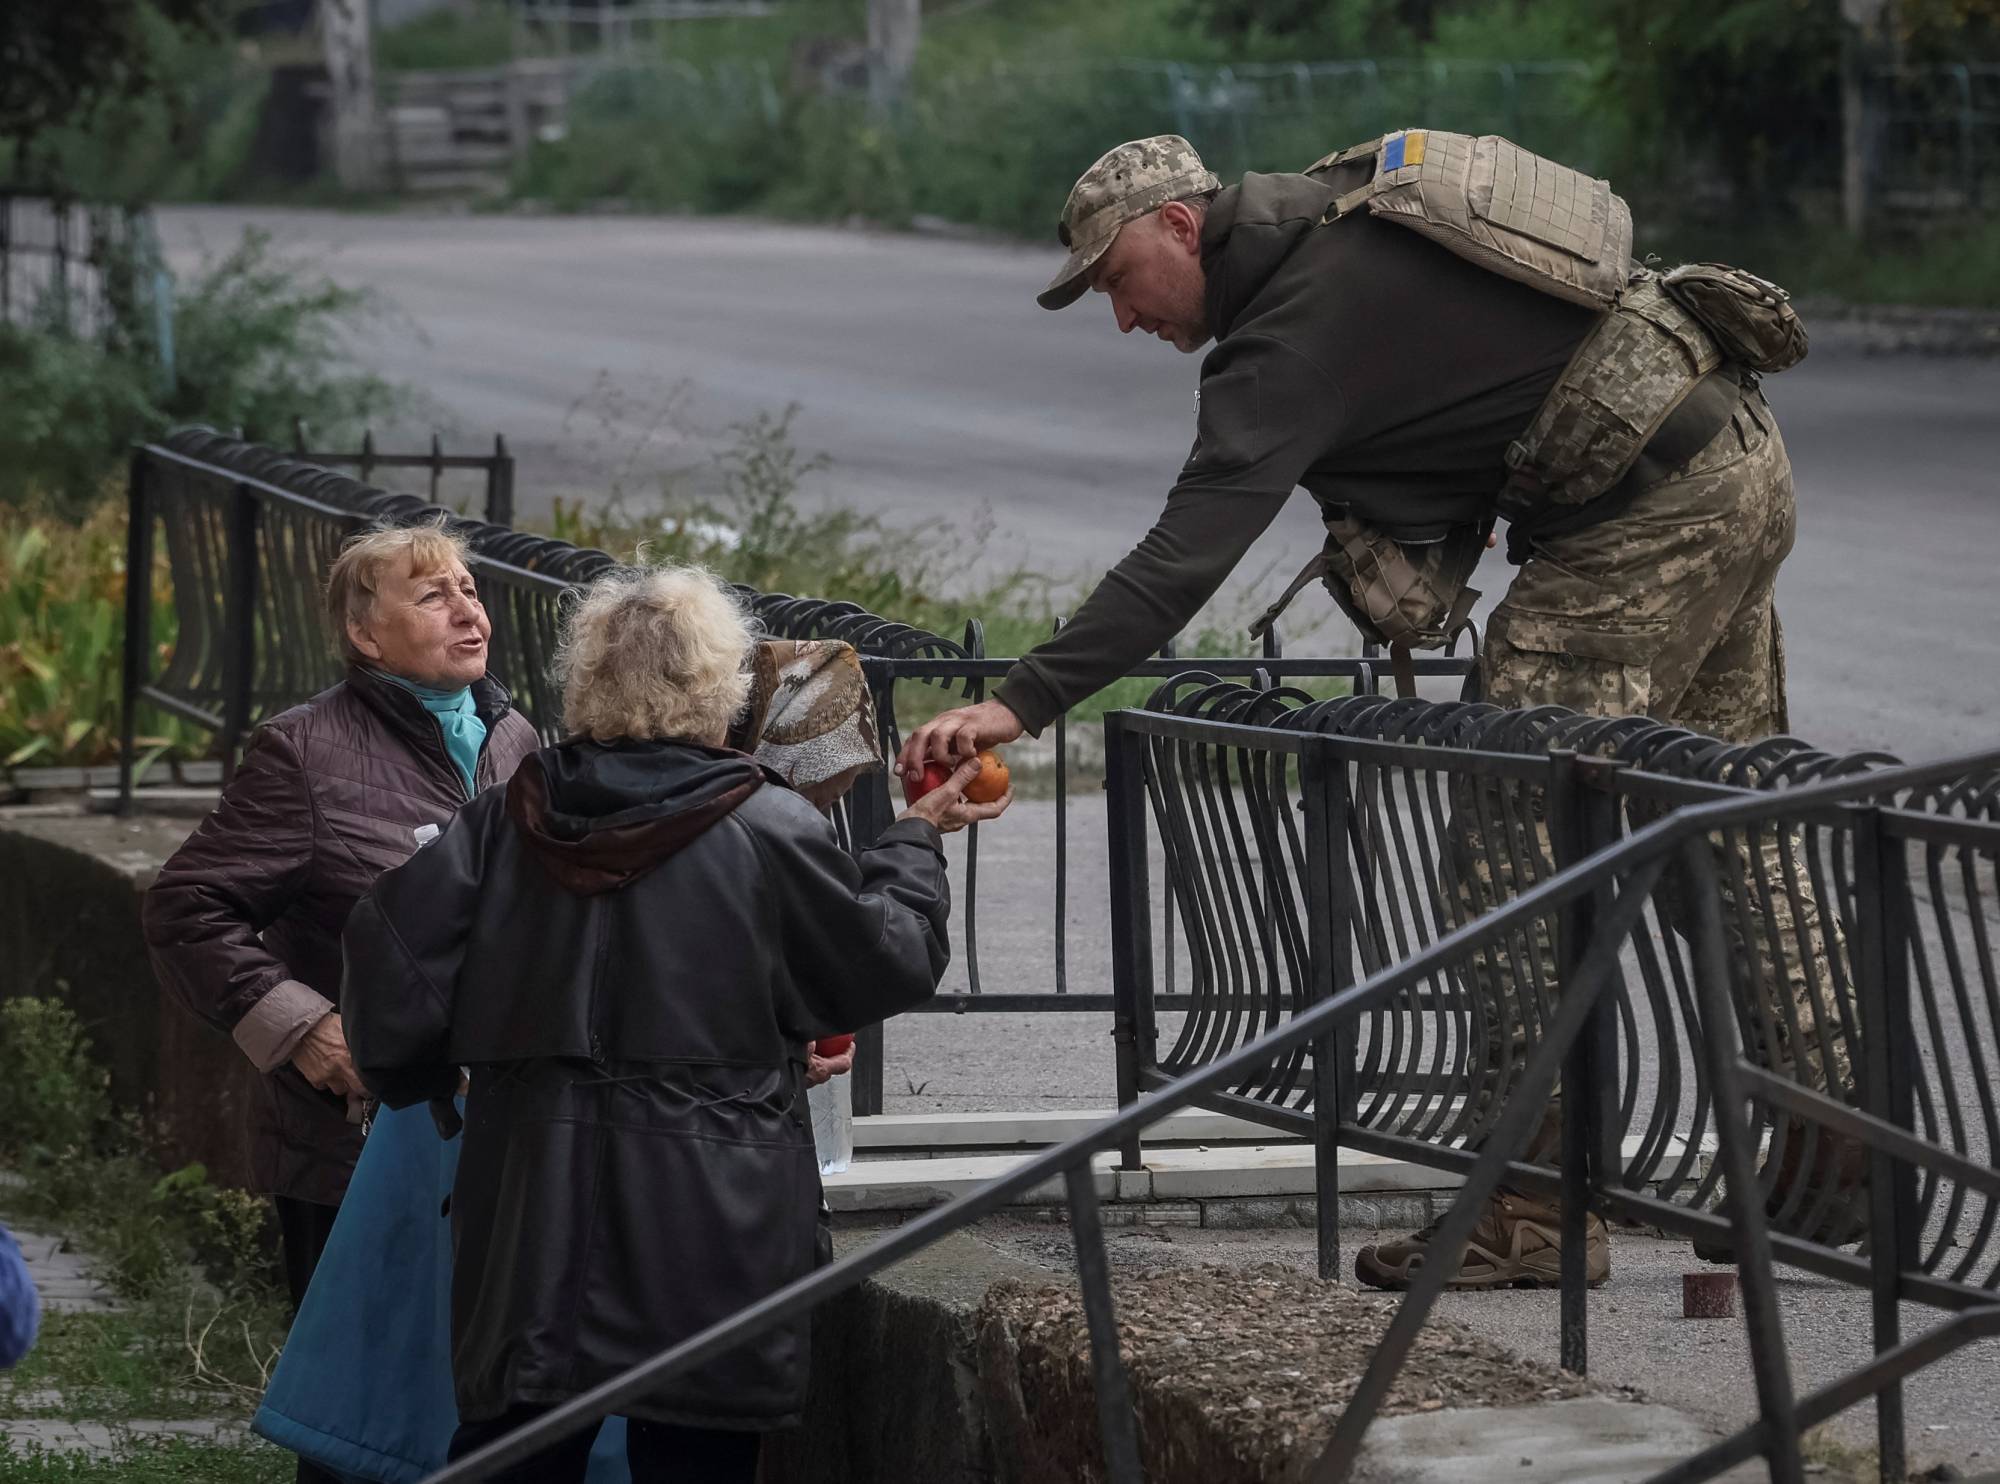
{"type": "Point", "coordinates": [631, 950]}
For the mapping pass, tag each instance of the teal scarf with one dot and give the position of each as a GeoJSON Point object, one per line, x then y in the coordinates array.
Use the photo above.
{"type": "Point", "coordinates": [458, 722]}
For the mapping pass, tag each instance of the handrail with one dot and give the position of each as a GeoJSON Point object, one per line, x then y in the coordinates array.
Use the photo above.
{"type": "Point", "coordinates": [1645, 852]}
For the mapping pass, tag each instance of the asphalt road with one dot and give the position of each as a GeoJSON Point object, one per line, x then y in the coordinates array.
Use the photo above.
{"type": "Point", "coordinates": [923, 369]}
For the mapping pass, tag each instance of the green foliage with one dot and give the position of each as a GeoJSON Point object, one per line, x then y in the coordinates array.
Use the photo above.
{"type": "Point", "coordinates": [480, 35]}
{"type": "Point", "coordinates": [189, 135]}
{"type": "Point", "coordinates": [61, 60]}
{"type": "Point", "coordinates": [256, 342]}
{"type": "Point", "coordinates": [55, 1102]}
{"type": "Point", "coordinates": [150, 1461]}
{"type": "Point", "coordinates": [194, 1262]}
{"type": "Point", "coordinates": [62, 635]}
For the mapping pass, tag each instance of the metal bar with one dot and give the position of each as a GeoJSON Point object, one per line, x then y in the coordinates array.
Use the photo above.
{"type": "Point", "coordinates": [1131, 924]}
{"type": "Point", "coordinates": [1573, 928]}
{"type": "Point", "coordinates": [240, 626]}
{"type": "Point", "coordinates": [1062, 843]}
{"type": "Point", "coordinates": [154, 696]}
{"type": "Point", "coordinates": [1292, 667]}
{"type": "Point", "coordinates": [1886, 1255]}
{"type": "Point", "coordinates": [870, 811]}
{"type": "Point", "coordinates": [1749, 1233]}
{"type": "Point", "coordinates": [1317, 772]}
{"type": "Point", "coordinates": [136, 661]}
{"type": "Point", "coordinates": [1851, 1121]}
{"type": "Point", "coordinates": [1115, 1417]}
{"type": "Point", "coordinates": [1933, 829]}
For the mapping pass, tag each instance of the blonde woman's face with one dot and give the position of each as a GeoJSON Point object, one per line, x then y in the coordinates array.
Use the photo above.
{"type": "Point", "coordinates": [428, 627]}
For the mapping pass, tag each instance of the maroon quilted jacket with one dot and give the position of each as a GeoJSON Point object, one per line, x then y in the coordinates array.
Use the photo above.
{"type": "Point", "coordinates": [244, 921]}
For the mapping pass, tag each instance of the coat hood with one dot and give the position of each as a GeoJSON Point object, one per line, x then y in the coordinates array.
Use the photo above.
{"type": "Point", "coordinates": [599, 815]}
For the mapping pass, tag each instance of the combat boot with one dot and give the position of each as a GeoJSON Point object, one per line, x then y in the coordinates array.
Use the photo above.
{"type": "Point", "coordinates": [1516, 1244]}
{"type": "Point", "coordinates": [1836, 1161]}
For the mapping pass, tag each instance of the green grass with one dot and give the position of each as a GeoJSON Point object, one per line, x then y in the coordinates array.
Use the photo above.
{"type": "Point", "coordinates": [150, 1461]}
{"type": "Point", "coordinates": [188, 1353]}
{"type": "Point", "coordinates": [481, 36]}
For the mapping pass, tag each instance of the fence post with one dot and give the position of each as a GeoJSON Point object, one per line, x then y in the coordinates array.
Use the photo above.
{"type": "Point", "coordinates": [1327, 930]}
{"type": "Point", "coordinates": [1581, 1073]}
{"type": "Point", "coordinates": [870, 811]}
{"type": "Point", "coordinates": [1062, 844]}
{"type": "Point", "coordinates": [1736, 1142]}
{"type": "Point", "coordinates": [500, 484]}
{"type": "Point", "coordinates": [1881, 976]}
{"type": "Point", "coordinates": [1131, 925]}
{"type": "Point", "coordinates": [239, 626]}
{"type": "Point", "coordinates": [138, 618]}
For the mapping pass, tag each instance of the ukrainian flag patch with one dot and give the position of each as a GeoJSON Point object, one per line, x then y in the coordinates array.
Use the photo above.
{"type": "Point", "coordinates": [1403, 149]}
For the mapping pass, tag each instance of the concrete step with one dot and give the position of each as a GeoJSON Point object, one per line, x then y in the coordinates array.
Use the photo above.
{"type": "Point", "coordinates": [1039, 1129]}
{"type": "Point", "coordinates": [1224, 1168]}
{"type": "Point", "coordinates": [1257, 1170]}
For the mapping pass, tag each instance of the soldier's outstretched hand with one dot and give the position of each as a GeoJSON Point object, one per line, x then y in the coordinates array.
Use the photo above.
{"type": "Point", "coordinates": [953, 736]}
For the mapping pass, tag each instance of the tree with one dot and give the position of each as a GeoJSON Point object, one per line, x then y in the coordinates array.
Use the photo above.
{"type": "Point", "coordinates": [60, 60]}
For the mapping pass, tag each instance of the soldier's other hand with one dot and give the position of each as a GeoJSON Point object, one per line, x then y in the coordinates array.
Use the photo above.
{"type": "Point", "coordinates": [958, 734]}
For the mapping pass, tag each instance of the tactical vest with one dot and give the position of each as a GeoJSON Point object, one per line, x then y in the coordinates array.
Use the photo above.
{"type": "Point", "coordinates": [1565, 234]}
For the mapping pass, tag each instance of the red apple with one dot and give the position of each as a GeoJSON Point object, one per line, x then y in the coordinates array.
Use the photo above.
{"type": "Point", "coordinates": [831, 1046]}
{"type": "Point", "coordinates": [936, 775]}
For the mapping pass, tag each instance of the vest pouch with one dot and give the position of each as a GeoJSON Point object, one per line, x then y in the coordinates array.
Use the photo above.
{"type": "Point", "coordinates": [1635, 366]}
{"type": "Point", "coordinates": [1751, 318]}
{"type": "Point", "coordinates": [1402, 595]}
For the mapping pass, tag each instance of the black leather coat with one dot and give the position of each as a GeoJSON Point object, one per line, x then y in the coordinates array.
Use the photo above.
{"type": "Point", "coordinates": [630, 948]}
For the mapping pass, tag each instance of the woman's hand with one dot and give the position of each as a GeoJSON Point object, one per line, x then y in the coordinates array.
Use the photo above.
{"type": "Point", "coordinates": [945, 805]}
{"type": "Point", "coordinates": [822, 1068]}
{"type": "Point", "coordinates": [323, 1061]}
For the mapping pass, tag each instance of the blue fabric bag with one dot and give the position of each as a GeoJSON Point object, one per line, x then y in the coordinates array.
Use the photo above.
{"type": "Point", "coordinates": [364, 1385]}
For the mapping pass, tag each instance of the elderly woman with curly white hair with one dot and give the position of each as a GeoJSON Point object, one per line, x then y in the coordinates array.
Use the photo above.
{"type": "Point", "coordinates": [631, 949]}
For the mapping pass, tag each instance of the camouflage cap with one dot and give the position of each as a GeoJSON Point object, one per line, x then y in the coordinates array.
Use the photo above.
{"type": "Point", "coordinates": [1125, 184]}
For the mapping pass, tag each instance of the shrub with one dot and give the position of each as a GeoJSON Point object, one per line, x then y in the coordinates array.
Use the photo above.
{"type": "Point", "coordinates": [256, 342]}
{"type": "Point", "coordinates": [62, 635]}
{"type": "Point", "coordinates": [55, 1100]}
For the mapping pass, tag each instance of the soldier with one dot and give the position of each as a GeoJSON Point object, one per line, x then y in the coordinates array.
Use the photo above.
{"type": "Point", "coordinates": [1427, 332]}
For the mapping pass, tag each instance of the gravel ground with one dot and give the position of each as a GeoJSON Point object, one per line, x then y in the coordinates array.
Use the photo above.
{"type": "Point", "coordinates": [1285, 1351]}
{"type": "Point", "coordinates": [1639, 1344]}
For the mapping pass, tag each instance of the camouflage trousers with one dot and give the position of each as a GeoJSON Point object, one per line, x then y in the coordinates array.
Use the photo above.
{"type": "Point", "coordinates": [1665, 611]}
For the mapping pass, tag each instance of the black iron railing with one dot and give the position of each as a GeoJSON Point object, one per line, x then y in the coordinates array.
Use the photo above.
{"type": "Point", "coordinates": [1589, 913]}
{"type": "Point", "coordinates": [250, 535]}
{"type": "Point", "coordinates": [250, 532]}
{"type": "Point", "coordinates": [74, 266]}
{"type": "Point", "coordinates": [496, 469]}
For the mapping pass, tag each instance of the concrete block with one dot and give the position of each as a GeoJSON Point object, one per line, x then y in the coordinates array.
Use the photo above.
{"type": "Point", "coordinates": [1251, 1213]}
{"type": "Point", "coordinates": [1568, 1442]}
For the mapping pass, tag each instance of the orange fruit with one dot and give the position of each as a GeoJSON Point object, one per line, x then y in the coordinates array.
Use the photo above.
{"type": "Point", "coordinates": [991, 782]}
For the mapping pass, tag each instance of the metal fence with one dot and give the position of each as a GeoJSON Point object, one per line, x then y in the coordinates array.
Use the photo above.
{"type": "Point", "coordinates": [1932, 134]}
{"type": "Point", "coordinates": [496, 469]}
{"type": "Point", "coordinates": [1855, 944]}
{"type": "Point", "coordinates": [250, 533]}
{"type": "Point", "coordinates": [80, 267]}
{"type": "Point", "coordinates": [1926, 1194]}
